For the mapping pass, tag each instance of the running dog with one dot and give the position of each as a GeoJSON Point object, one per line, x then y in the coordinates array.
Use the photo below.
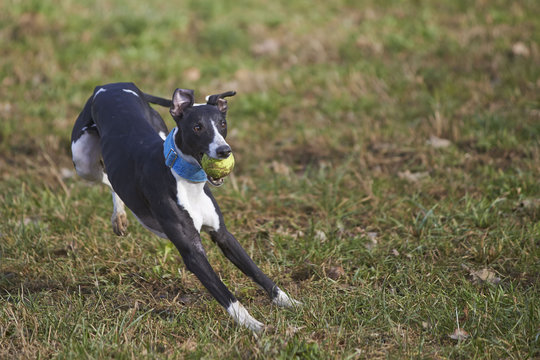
{"type": "Point", "coordinates": [121, 141]}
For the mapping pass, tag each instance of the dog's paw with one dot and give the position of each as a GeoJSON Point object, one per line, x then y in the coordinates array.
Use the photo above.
{"type": "Point", "coordinates": [242, 317]}
{"type": "Point", "coordinates": [284, 300]}
{"type": "Point", "coordinates": [119, 223]}
{"type": "Point", "coordinates": [256, 326]}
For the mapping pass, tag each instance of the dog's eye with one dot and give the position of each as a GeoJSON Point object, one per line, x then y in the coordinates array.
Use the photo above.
{"type": "Point", "coordinates": [197, 128]}
{"type": "Point", "coordinates": [223, 124]}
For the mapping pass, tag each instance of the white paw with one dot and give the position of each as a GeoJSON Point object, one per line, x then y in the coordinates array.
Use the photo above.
{"type": "Point", "coordinates": [284, 300]}
{"type": "Point", "coordinates": [242, 317]}
{"type": "Point", "coordinates": [119, 223]}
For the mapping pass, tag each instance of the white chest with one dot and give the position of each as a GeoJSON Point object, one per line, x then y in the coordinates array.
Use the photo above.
{"type": "Point", "coordinates": [193, 199]}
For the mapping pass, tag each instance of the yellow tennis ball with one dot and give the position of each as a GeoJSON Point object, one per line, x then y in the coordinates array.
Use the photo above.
{"type": "Point", "coordinates": [217, 168]}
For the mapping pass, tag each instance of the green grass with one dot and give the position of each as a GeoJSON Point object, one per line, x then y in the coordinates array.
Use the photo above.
{"type": "Point", "coordinates": [337, 193]}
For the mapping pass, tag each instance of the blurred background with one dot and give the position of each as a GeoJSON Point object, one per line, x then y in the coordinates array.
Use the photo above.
{"type": "Point", "coordinates": [315, 80]}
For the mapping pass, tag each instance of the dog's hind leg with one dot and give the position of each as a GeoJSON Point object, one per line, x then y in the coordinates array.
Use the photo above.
{"type": "Point", "coordinates": [86, 153]}
{"type": "Point", "coordinates": [119, 217]}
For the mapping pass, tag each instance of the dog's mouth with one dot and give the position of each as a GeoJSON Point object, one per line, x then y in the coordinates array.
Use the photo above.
{"type": "Point", "coordinates": [216, 182]}
{"type": "Point", "coordinates": [211, 180]}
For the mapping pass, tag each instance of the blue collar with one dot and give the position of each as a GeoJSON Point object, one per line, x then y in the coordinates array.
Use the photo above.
{"type": "Point", "coordinates": [180, 166]}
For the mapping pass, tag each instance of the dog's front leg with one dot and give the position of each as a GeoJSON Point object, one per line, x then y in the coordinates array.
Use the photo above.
{"type": "Point", "coordinates": [187, 240]}
{"type": "Point", "coordinates": [237, 255]}
{"type": "Point", "coordinates": [196, 261]}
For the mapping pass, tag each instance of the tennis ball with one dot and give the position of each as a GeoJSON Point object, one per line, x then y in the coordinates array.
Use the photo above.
{"type": "Point", "coordinates": [217, 168]}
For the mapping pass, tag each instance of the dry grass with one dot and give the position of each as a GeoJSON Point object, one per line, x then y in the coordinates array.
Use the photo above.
{"type": "Point", "coordinates": [387, 176]}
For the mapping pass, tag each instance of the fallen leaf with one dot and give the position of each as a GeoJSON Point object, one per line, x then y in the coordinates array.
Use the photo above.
{"type": "Point", "coordinates": [192, 74]}
{"type": "Point", "coordinates": [412, 177]}
{"type": "Point", "coordinates": [281, 168]}
{"type": "Point", "coordinates": [459, 335]}
{"type": "Point", "coordinates": [366, 43]}
{"type": "Point", "coordinates": [520, 49]}
{"type": "Point", "coordinates": [187, 299]}
{"type": "Point", "coordinates": [484, 275]}
{"type": "Point", "coordinates": [320, 236]}
{"type": "Point", "coordinates": [335, 272]}
{"type": "Point", "coordinates": [528, 204]}
{"type": "Point", "coordinates": [267, 47]}
{"type": "Point", "coordinates": [5, 108]}
{"type": "Point", "coordinates": [438, 143]}
{"type": "Point", "coordinates": [372, 236]}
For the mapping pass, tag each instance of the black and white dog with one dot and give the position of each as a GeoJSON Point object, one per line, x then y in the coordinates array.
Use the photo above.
{"type": "Point", "coordinates": [118, 139]}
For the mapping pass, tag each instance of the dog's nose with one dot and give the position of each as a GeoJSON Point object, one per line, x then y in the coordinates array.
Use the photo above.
{"type": "Point", "coordinates": [223, 151]}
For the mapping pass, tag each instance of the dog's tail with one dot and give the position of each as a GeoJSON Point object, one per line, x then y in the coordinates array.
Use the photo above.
{"type": "Point", "coordinates": [157, 100]}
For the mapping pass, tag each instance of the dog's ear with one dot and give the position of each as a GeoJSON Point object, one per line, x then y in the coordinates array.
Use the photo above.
{"type": "Point", "coordinates": [181, 100]}
{"type": "Point", "coordinates": [222, 105]}
{"type": "Point", "coordinates": [219, 101]}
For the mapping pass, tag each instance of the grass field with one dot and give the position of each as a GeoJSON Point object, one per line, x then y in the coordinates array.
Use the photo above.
{"type": "Point", "coordinates": [388, 176]}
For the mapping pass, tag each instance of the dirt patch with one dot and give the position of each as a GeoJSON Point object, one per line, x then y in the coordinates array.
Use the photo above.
{"type": "Point", "coordinates": [12, 283]}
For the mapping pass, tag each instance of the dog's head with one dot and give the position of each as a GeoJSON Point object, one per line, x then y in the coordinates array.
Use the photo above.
{"type": "Point", "coordinates": [202, 128]}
